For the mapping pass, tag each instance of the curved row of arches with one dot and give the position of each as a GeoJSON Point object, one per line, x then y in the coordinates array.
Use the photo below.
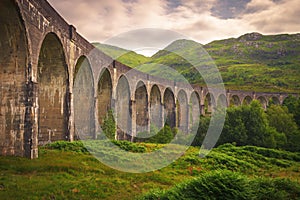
{"type": "Point", "coordinates": [146, 108]}
{"type": "Point", "coordinates": [37, 93]}
{"type": "Point", "coordinates": [235, 100]}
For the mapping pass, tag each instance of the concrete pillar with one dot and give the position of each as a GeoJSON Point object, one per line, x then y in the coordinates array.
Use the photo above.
{"type": "Point", "coordinates": [31, 122]}
{"type": "Point", "coordinates": [133, 119]}
{"type": "Point", "coordinates": [148, 115]}
{"type": "Point", "coordinates": [162, 114]}
{"type": "Point", "coordinates": [188, 120]}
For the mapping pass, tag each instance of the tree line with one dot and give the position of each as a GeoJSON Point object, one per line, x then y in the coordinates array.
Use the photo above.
{"type": "Point", "coordinates": [277, 127]}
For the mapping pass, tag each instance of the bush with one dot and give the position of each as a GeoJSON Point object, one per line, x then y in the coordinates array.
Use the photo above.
{"type": "Point", "coordinates": [128, 146]}
{"type": "Point", "coordinates": [109, 125]}
{"type": "Point", "coordinates": [229, 185]}
{"type": "Point", "coordinates": [164, 136]}
{"type": "Point", "coordinates": [68, 146]}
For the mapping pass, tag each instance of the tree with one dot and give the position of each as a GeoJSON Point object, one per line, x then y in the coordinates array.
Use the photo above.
{"type": "Point", "coordinates": [248, 125]}
{"type": "Point", "coordinates": [280, 118]}
{"type": "Point", "coordinates": [201, 129]}
{"type": "Point", "coordinates": [109, 125]}
{"type": "Point", "coordinates": [256, 124]}
{"type": "Point", "coordinates": [234, 128]}
{"type": "Point", "coordinates": [293, 105]}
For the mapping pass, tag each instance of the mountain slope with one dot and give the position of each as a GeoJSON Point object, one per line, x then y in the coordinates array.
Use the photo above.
{"type": "Point", "coordinates": [124, 56]}
{"type": "Point", "coordinates": [251, 62]}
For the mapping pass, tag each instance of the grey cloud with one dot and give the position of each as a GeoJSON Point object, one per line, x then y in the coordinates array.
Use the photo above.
{"type": "Point", "coordinates": [280, 18]}
{"type": "Point", "coordinates": [228, 9]}
{"type": "Point", "coordinates": [202, 20]}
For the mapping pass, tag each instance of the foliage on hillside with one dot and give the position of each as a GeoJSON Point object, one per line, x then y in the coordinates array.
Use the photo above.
{"type": "Point", "coordinates": [127, 57]}
{"type": "Point", "coordinates": [251, 125]}
{"type": "Point", "coordinates": [250, 62]}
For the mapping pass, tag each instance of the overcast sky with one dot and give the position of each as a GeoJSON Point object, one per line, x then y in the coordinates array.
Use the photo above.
{"type": "Point", "coordinates": [201, 20]}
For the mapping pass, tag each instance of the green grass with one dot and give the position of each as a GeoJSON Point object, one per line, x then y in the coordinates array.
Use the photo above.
{"type": "Point", "coordinates": [67, 171]}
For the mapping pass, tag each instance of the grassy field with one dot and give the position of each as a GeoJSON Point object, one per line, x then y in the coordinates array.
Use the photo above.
{"type": "Point", "coordinates": [68, 171]}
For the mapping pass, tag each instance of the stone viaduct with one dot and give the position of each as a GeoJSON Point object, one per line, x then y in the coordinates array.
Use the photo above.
{"type": "Point", "coordinates": [41, 56]}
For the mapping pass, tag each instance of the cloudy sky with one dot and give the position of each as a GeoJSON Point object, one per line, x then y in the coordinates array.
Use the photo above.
{"type": "Point", "coordinates": [201, 20]}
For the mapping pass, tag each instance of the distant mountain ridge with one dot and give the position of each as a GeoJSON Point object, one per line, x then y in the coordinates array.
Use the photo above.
{"type": "Point", "coordinates": [250, 62]}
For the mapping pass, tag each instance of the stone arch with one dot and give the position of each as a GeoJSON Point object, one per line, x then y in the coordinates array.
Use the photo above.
{"type": "Point", "coordinates": [123, 109]}
{"type": "Point", "coordinates": [170, 108]}
{"type": "Point", "coordinates": [209, 104]}
{"type": "Point", "coordinates": [182, 111]}
{"type": "Point", "coordinates": [274, 100]}
{"type": "Point", "coordinates": [14, 58]}
{"type": "Point", "coordinates": [53, 95]}
{"type": "Point", "coordinates": [155, 107]}
{"type": "Point", "coordinates": [104, 95]}
{"type": "Point", "coordinates": [222, 101]}
{"type": "Point", "coordinates": [84, 105]}
{"type": "Point", "coordinates": [247, 100]}
{"type": "Point", "coordinates": [263, 102]}
{"type": "Point", "coordinates": [235, 101]}
{"type": "Point", "coordinates": [141, 105]}
{"type": "Point", "coordinates": [195, 111]}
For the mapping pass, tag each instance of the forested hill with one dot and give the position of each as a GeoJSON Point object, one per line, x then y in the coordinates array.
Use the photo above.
{"type": "Point", "coordinates": [250, 62]}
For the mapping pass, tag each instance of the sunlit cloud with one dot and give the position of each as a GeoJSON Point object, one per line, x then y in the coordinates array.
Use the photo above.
{"type": "Point", "coordinates": [201, 20]}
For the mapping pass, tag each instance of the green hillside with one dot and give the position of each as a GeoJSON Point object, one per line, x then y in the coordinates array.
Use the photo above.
{"type": "Point", "coordinates": [250, 62]}
{"type": "Point", "coordinates": [127, 57]}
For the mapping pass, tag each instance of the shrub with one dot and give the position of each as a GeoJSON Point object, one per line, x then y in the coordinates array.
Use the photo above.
{"type": "Point", "coordinates": [164, 136]}
{"type": "Point", "coordinates": [229, 185]}
{"type": "Point", "coordinates": [68, 146]}
{"type": "Point", "coordinates": [109, 125]}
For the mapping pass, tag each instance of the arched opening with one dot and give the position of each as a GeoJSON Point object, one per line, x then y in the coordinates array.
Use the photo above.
{"type": "Point", "coordinates": [209, 104]}
{"type": "Point", "coordinates": [104, 95]}
{"type": "Point", "coordinates": [53, 91]}
{"type": "Point", "coordinates": [142, 113]}
{"type": "Point", "coordinates": [169, 105]}
{"type": "Point", "coordinates": [123, 104]}
{"type": "Point", "coordinates": [274, 101]}
{"type": "Point", "coordinates": [182, 111]}
{"type": "Point", "coordinates": [13, 66]}
{"type": "Point", "coordinates": [247, 100]}
{"type": "Point", "coordinates": [84, 106]}
{"type": "Point", "coordinates": [155, 107]}
{"type": "Point", "coordinates": [263, 102]}
{"type": "Point", "coordinates": [235, 101]}
{"type": "Point", "coordinates": [222, 101]}
{"type": "Point", "coordinates": [194, 109]}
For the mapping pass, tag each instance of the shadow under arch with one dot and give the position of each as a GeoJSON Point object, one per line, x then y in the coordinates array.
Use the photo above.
{"type": "Point", "coordinates": [141, 106]}
{"type": "Point", "coordinates": [156, 107]}
{"type": "Point", "coordinates": [182, 111]}
{"type": "Point", "coordinates": [53, 91]}
{"type": "Point", "coordinates": [247, 100]}
{"type": "Point", "coordinates": [123, 110]}
{"type": "Point", "coordinates": [15, 100]}
{"type": "Point", "coordinates": [195, 109]}
{"type": "Point", "coordinates": [209, 104]}
{"type": "Point", "coordinates": [104, 95]}
{"type": "Point", "coordinates": [274, 100]}
{"type": "Point", "coordinates": [263, 101]}
{"type": "Point", "coordinates": [169, 108]}
{"type": "Point", "coordinates": [235, 101]}
{"type": "Point", "coordinates": [84, 105]}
